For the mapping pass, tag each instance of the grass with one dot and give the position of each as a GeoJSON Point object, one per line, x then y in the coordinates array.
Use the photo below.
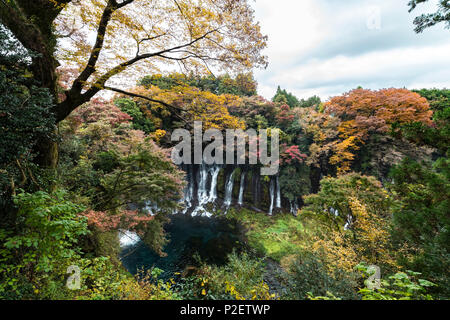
{"type": "Point", "coordinates": [278, 237]}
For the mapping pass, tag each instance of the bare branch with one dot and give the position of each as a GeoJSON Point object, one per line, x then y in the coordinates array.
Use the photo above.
{"type": "Point", "coordinates": [111, 6]}
{"type": "Point", "coordinates": [131, 94]}
{"type": "Point", "coordinates": [100, 83]}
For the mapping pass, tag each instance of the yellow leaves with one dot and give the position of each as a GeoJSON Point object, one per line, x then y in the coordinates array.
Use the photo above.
{"type": "Point", "coordinates": [158, 135]}
{"type": "Point", "coordinates": [343, 154]}
{"type": "Point", "coordinates": [211, 32]}
{"type": "Point", "coordinates": [367, 239]}
{"type": "Point", "coordinates": [336, 251]}
{"type": "Point", "coordinates": [197, 105]}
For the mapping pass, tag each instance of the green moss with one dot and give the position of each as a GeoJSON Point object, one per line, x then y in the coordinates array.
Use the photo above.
{"type": "Point", "coordinates": [276, 237]}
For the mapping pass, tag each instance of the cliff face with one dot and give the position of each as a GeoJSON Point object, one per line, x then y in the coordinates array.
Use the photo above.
{"type": "Point", "coordinates": [218, 187]}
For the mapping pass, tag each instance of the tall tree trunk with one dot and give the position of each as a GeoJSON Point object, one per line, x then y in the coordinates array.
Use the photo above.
{"type": "Point", "coordinates": [31, 22]}
{"type": "Point", "coordinates": [47, 153]}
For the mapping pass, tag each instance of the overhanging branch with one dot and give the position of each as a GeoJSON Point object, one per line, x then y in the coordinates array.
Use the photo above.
{"type": "Point", "coordinates": [176, 110]}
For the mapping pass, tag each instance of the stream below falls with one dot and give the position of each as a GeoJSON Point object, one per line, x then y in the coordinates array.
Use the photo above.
{"type": "Point", "coordinates": [211, 238]}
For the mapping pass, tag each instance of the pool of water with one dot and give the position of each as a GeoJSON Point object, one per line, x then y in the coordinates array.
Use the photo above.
{"type": "Point", "coordinates": [212, 239]}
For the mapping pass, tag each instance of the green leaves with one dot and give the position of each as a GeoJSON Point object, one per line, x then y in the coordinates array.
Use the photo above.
{"type": "Point", "coordinates": [400, 286]}
{"type": "Point", "coordinates": [425, 21]}
{"type": "Point", "coordinates": [47, 227]}
{"type": "Point", "coordinates": [24, 108]}
{"type": "Point", "coordinates": [421, 221]}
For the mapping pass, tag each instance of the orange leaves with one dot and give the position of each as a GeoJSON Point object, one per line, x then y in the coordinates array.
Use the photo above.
{"type": "Point", "coordinates": [364, 112]}
{"type": "Point", "coordinates": [376, 110]}
{"type": "Point", "coordinates": [125, 219]}
{"type": "Point", "coordinates": [343, 153]}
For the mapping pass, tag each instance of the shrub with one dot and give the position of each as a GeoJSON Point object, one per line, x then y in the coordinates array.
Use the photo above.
{"type": "Point", "coordinates": [309, 277]}
{"type": "Point", "coordinates": [242, 278]}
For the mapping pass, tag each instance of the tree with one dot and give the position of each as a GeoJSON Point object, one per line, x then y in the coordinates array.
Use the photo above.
{"type": "Point", "coordinates": [42, 244]}
{"type": "Point", "coordinates": [184, 105]}
{"type": "Point", "coordinates": [25, 118]}
{"type": "Point", "coordinates": [354, 212]}
{"type": "Point", "coordinates": [283, 97]}
{"type": "Point", "coordinates": [320, 128]}
{"type": "Point", "coordinates": [110, 166]}
{"type": "Point", "coordinates": [437, 136]}
{"type": "Point", "coordinates": [313, 101]}
{"type": "Point", "coordinates": [140, 122]}
{"type": "Point", "coordinates": [130, 34]}
{"type": "Point", "coordinates": [241, 85]}
{"type": "Point", "coordinates": [428, 20]}
{"type": "Point", "coordinates": [257, 112]}
{"type": "Point", "coordinates": [421, 221]}
{"type": "Point", "coordinates": [364, 112]}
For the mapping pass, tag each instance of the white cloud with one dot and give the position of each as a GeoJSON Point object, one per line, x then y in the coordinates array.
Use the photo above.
{"type": "Point", "coordinates": [325, 47]}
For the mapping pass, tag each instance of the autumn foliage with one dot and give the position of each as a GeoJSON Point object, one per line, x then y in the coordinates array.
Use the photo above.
{"type": "Point", "coordinates": [124, 219]}
{"type": "Point", "coordinates": [291, 154]}
{"type": "Point", "coordinates": [364, 112]}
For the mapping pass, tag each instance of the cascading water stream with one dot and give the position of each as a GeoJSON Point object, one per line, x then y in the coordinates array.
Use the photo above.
{"type": "Point", "coordinates": [294, 207]}
{"type": "Point", "coordinates": [213, 189]}
{"type": "Point", "coordinates": [241, 189]}
{"type": "Point", "coordinates": [229, 190]}
{"type": "Point", "coordinates": [128, 238]}
{"type": "Point", "coordinates": [272, 195]}
{"type": "Point", "coordinates": [202, 192]}
{"type": "Point", "coordinates": [202, 189]}
{"type": "Point", "coordinates": [278, 198]}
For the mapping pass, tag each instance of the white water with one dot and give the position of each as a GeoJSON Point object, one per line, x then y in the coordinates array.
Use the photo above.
{"type": "Point", "coordinates": [205, 195]}
{"type": "Point", "coordinates": [278, 199]}
{"type": "Point", "coordinates": [349, 222]}
{"type": "Point", "coordinates": [272, 195]}
{"type": "Point", "coordinates": [128, 238]}
{"type": "Point", "coordinates": [151, 208]}
{"type": "Point", "coordinates": [202, 192]}
{"type": "Point", "coordinates": [213, 189]}
{"type": "Point", "coordinates": [334, 211]}
{"type": "Point", "coordinates": [241, 189]}
{"type": "Point", "coordinates": [229, 190]}
{"type": "Point", "coordinates": [294, 207]}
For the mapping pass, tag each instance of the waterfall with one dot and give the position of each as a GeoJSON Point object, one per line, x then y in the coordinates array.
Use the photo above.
{"type": "Point", "coordinates": [294, 207]}
{"type": "Point", "coordinates": [272, 195]}
{"type": "Point", "coordinates": [334, 211]}
{"type": "Point", "coordinates": [189, 189]}
{"type": "Point", "coordinates": [229, 190]}
{"type": "Point", "coordinates": [213, 188]}
{"type": "Point", "coordinates": [256, 188]}
{"type": "Point", "coordinates": [128, 238]}
{"type": "Point", "coordinates": [202, 192]}
{"type": "Point", "coordinates": [349, 222]}
{"type": "Point", "coordinates": [202, 181]}
{"type": "Point", "coordinates": [278, 199]}
{"type": "Point", "coordinates": [151, 208]}
{"type": "Point", "coordinates": [241, 189]}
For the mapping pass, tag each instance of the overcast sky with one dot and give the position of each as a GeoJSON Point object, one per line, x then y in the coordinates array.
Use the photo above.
{"type": "Point", "coordinates": [328, 47]}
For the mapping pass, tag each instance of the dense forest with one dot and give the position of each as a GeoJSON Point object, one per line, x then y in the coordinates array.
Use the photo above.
{"type": "Point", "coordinates": [359, 208]}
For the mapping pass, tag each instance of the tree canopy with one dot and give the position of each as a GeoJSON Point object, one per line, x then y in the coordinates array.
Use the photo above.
{"type": "Point", "coordinates": [428, 20]}
{"type": "Point", "coordinates": [131, 34]}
